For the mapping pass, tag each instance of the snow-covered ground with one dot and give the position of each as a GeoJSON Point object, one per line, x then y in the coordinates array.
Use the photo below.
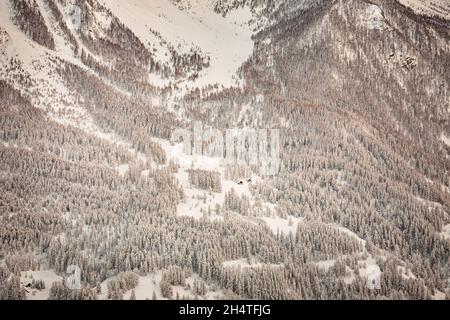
{"type": "Point", "coordinates": [47, 91]}
{"type": "Point", "coordinates": [282, 225]}
{"type": "Point", "coordinates": [248, 263]}
{"type": "Point", "coordinates": [146, 287]}
{"type": "Point", "coordinates": [445, 139]}
{"type": "Point", "coordinates": [48, 276]}
{"type": "Point", "coordinates": [226, 40]}
{"type": "Point", "coordinates": [446, 232]}
{"type": "Point", "coordinates": [37, 63]}
{"type": "Point", "coordinates": [149, 287]}
{"type": "Point", "coordinates": [199, 201]}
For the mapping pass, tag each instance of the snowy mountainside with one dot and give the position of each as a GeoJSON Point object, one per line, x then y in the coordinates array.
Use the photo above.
{"type": "Point", "coordinates": [226, 42]}
{"type": "Point", "coordinates": [439, 8]}
{"type": "Point", "coordinates": [89, 177]}
{"type": "Point", "coordinates": [171, 48]}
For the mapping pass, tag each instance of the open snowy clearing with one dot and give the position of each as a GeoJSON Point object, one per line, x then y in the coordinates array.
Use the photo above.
{"type": "Point", "coordinates": [197, 201]}
{"type": "Point", "coordinates": [282, 225]}
{"type": "Point", "coordinates": [226, 40]}
{"type": "Point", "coordinates": [429, 7]}
{"type": "Point", "coordinates": [48, 276]}
{"type": "Point", "coordinates": [149, 288]}
{"type": "Point", "coordinates": [248, 263]}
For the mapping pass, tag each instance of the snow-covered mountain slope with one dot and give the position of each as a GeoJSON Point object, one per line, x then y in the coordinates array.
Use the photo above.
{"type": "Point", "coordinates": [178, 45]}
{"type": "Point", "coordinates": [226, 41]}
{"type": "Point", "coordinates": [30, 67]}
{"type": "Point", "coordinates": [358, 88]}
{"type": "Point", "coordinates": [439, 8]}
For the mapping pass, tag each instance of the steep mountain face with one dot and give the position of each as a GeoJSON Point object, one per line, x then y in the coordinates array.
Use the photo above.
{"type": "Point", "coordinates": [359, 89]}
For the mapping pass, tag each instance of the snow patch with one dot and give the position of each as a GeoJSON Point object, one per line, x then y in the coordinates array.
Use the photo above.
{"type": "Point", "coordinates": [278, 224]}
{"type": "Point", "coordinates": [445, 139]}
{"type": "Point", "coordinates": [48, 276]}
{"type": "Point", "coordinates": [374, 17]}
{"type": "Point", "coordinates": [325, 265]}
{"type": "Point", "coordinates": [248, 263]}
{"type": "Point", "coordinates": [198, 202]}
{"type": "Point", "coordinates": [123, 169]}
